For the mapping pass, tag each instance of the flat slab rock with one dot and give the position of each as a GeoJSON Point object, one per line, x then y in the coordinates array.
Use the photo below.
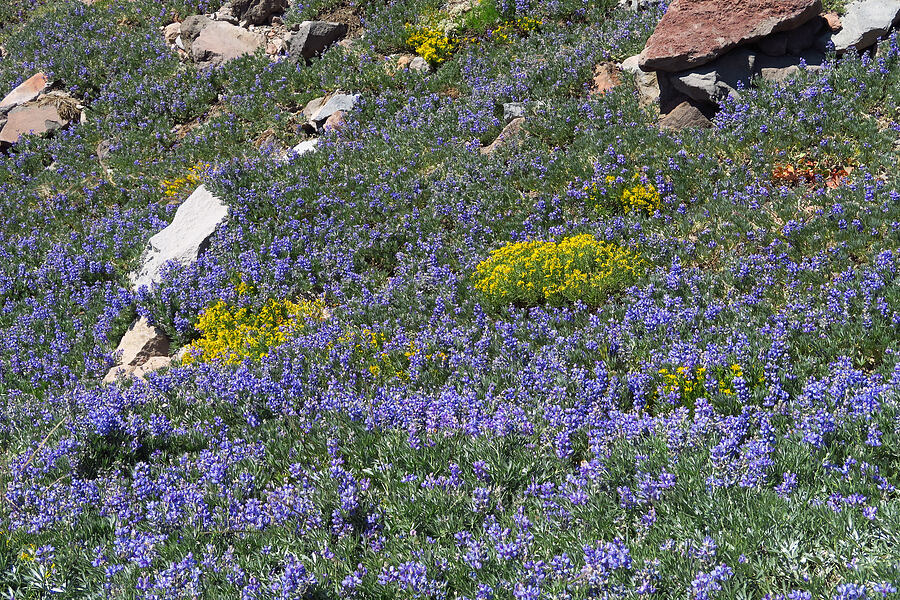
{"type": "Point", "coordinates": [864, 22]}
{"type": "Point", "coordinates": [184, 239]}
{"type": "Point", "coordinates": [31, 119]}
{"type": "Point", "coordinates": [695, 32]}
{"type": "Point", "coordinates": [26, 91]}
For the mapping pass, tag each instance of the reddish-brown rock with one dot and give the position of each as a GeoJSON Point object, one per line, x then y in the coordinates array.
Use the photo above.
{"type": "Point", "coordinates": [833, 20]}
{"type": "Point", "coordinates": [31, 118]}
{"type": "Point", "coordinates": [694, 32]}
{"type": "Point", "coordinates": [606, 77]}
{"type": "Point", "coordinates": [27, 91]}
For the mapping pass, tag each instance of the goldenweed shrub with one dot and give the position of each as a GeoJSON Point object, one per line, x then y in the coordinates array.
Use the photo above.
{"type": "Point", "coordinates": [578, 268]}
{"type": "Point", "coordinates": [634, 196]}
{"type": "Point", "coordinates": [175, 189]}
{"type": "Point", "coordinates": [432, 44]}
{"type": "Point", "coordinates": [232, 333]}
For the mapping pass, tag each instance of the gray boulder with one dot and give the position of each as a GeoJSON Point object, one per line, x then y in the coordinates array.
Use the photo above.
{"type": "Point", "coordinates": [185, 238]}
{"type": "Point", "coordinates": [313, 37]}
{"type": "Point", "coordinates": [779, 68]}
{"type": "Point", "coordinates": [420, 65]}
{"type": "Point", "coordinates": [646, 82]}
{"type": "Point", "coordinates": [323, 108]}
{"type": "Point", "coordinates": [513, 110]}
{"type": "Point", "coordinates": [637, 5]}
{"type": "Point", "coordinates": [864, 22]}
{"type": "Point", "coordinates": [718, 80]}
{"type": "Point", "coordinates": [647, 86]}
{"type": "Point", "coordinates": [252, 12]}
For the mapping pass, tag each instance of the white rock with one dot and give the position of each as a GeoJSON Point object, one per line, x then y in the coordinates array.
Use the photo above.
{"type": "Point", "coordinates": [513, 110]}
{"type": "Point", "coordinates": [185, 238]}
{"type": "Point", "coordinates": [305, 146]}
{"type": "Point", "coordinates": [420, 65]}
{"type": "Point", "coordinates": [864, 22]}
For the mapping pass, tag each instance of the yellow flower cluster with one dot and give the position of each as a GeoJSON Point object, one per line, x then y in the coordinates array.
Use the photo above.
{"type": "Point", "coordinates": [641, 197]}
{"type": "Point", "coordinates": [28, 553]}
{"type": "Point", "coordinates": [432, 44]}
{"type": "Point", "coordinates": [577, 268]}
{"type": "Point", "coordinates": [369, 349]}
{"type": "Point", "coordinates": [687, 384]}
{"type": "Point", "coordinates": [232, 333]}
{"type": "Point", "coordinates": [690, 384]}
{"type": "Point", "coordinates": [522, 25]}
{"type": "Point", "coordinates": [638, 197]}
{"type": "Point", "coordinates": [176, 188]}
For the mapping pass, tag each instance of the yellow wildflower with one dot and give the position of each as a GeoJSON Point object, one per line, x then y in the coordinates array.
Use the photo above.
{"type": "Point", "coordinates": [181, 186]}
{"type": "Point", "coordinates": [577, 268]}
{"type": "Point", "coordinates": [231, 334]}
{"type": "Point", "coordinates": [430, 43]}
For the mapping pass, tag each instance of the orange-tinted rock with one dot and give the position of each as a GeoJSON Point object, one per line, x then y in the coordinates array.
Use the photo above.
{"type": "Point", "coordinates": [27, 91]}
{"type": "Point", "coordinates": [31, 119]}
{"type": "Point", "coordinates": [695, 32]}
{"type": "Point", "coordinates": [606, 77]}
{"type": "Point", "coordinates": [833, 21]}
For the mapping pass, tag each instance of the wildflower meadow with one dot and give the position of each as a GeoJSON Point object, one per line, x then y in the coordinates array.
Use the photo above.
{"type": "Point", "coordinates": [604, 360]}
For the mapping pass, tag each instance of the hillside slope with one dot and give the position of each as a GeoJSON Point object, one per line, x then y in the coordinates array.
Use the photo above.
{"type": "Point", "coordinates": [594, 359]}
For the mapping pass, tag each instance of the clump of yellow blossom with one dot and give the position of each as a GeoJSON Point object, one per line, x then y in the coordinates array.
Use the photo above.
{"type": "Point", "coordinates": [576, 268]}
{"type": "Point", "coordinates": [522, 25]}
{"type": "Point", "coordinates": [641, 197]}
{"type": "Point", "coordinates": [174, 189]}
{"type": "Point", "coordinates": [381, 360]}
{"type": "Point", "coordinates": [230, 334]}
{"type": "Point", "coordinates": [686, 385]}
{"type": "Point", "coordinates": [432, 44]}
{"type": "Point", "coordinates": [638, 197]}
